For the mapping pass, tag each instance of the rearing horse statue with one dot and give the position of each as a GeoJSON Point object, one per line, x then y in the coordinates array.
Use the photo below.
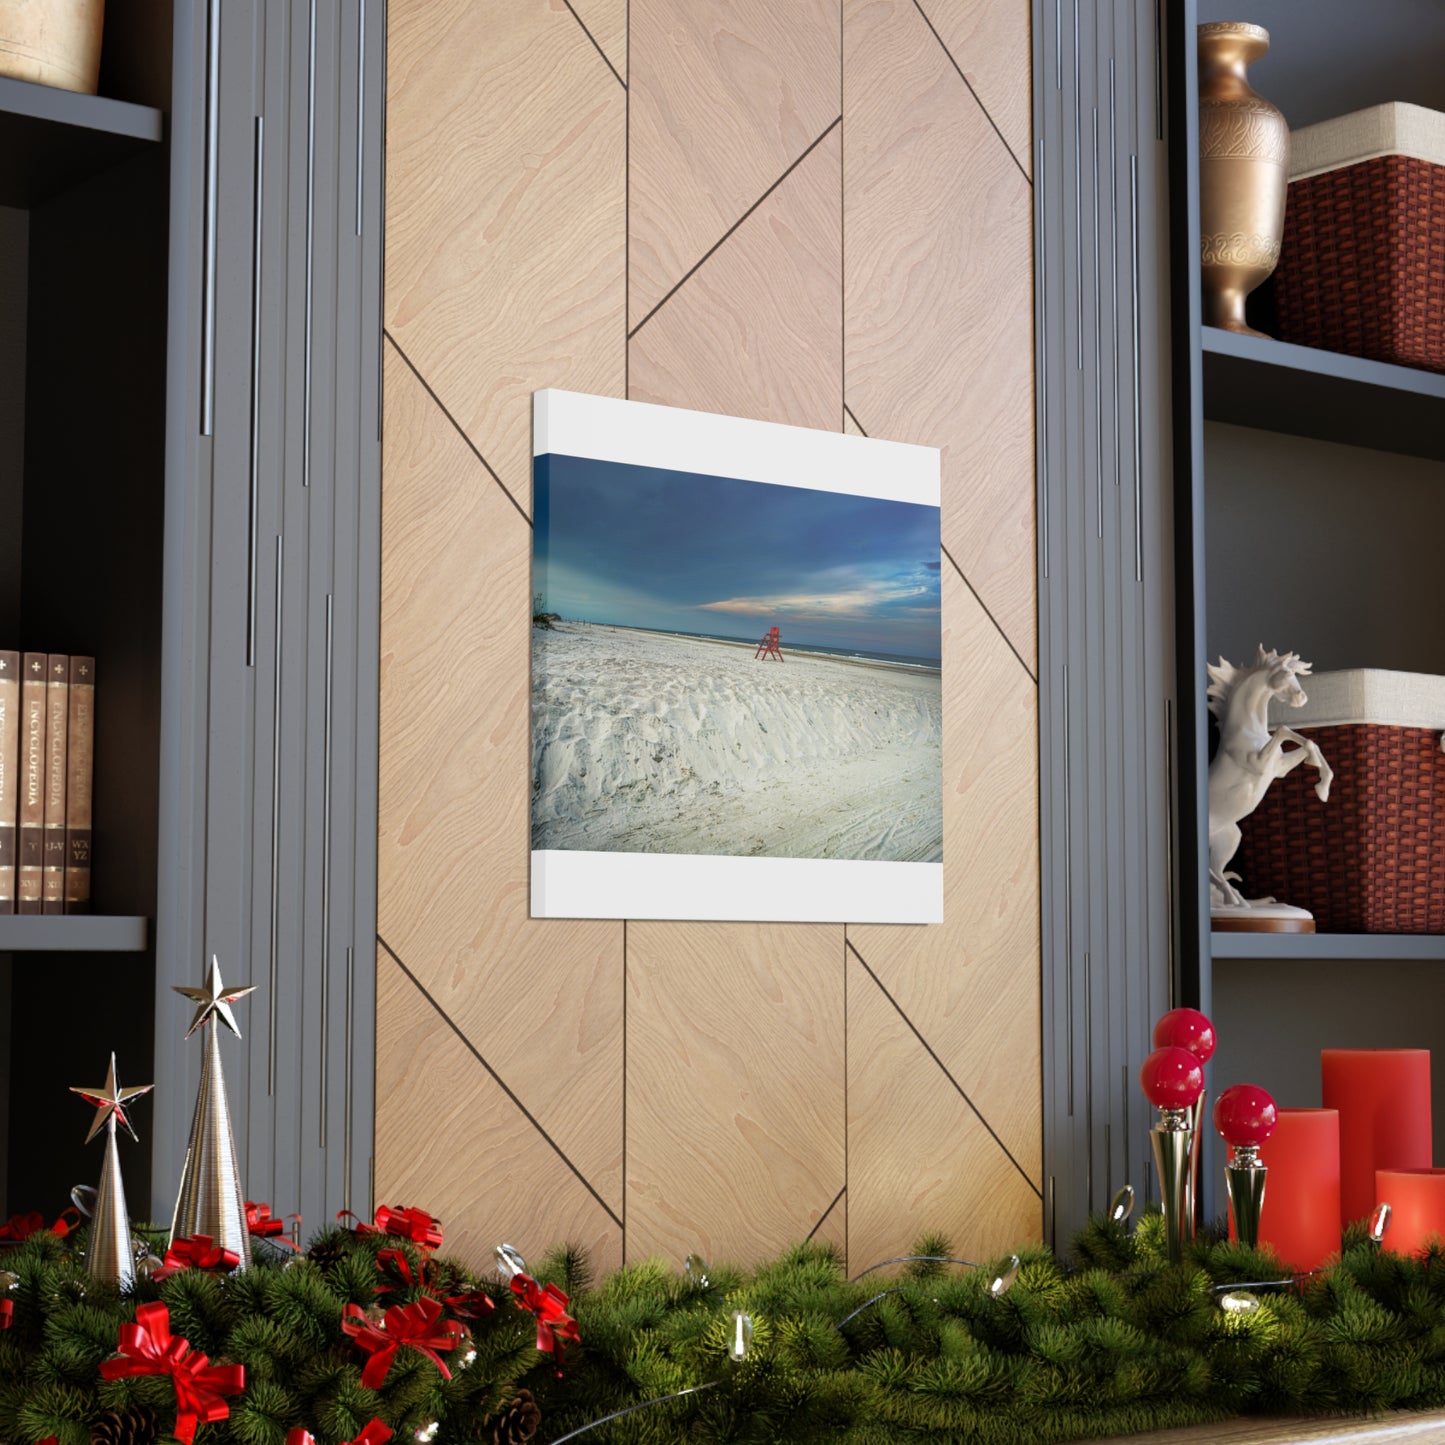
{"type": "Point", "coordinates": [1250, 757]}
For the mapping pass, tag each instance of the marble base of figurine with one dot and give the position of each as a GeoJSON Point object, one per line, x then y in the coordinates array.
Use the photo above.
{"type": "Point", "coordinates": [1261, 918]}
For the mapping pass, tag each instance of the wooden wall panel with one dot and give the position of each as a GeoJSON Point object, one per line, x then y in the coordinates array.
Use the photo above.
{"type": "Point", "coordinates": [919, 1158]}
{"type": "Point", "coordinates": [458, 1146]}
{"type": "Point", "coordinates": [453, 821]}
{"type": "Point", "coordinates": [757, 330]}
{"type": "Point", "coordinates": [980, 1014]}
{"type": "Point", "coordinates": [506, 213]}
{"type": "Point", "coordinates": [726, 95]}
{"type": "Point", "coordinates": [805, 213]}
{"type": "Point", "coordinates": [989, 41]}
{"type": "Point", "coordinates": [939, 294]}
{"type": "Point", "coordinates": [606, 23]}
{"type": "Point", "coordinates": [833, 1227]}
{"type": "Point", "coordinates": [735, 1120]}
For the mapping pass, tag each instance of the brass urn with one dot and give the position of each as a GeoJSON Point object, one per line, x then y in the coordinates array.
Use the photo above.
{"type": "Point", "coordinates": [1243, 173]}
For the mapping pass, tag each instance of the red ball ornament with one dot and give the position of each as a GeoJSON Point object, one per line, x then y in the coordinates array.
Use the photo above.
{"type": "Point", "coordinates": [1172, 1078]}
{"type": "Point", "coordinates": [1245, 1115]}
{"type": "Point", "coordinates": [1186, 1028]}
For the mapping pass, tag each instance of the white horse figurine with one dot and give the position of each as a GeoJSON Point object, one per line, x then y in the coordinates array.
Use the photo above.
{"type": "Point", "coordinates": [1250, 757]}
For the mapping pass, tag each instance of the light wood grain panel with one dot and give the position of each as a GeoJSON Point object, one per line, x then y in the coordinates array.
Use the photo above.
{"type": "Point", "coordinates": [971, 984]}
{"type": "Point", "coordinates": [851, 427]}
{"type": "Point", "coordinates": [726, 95]}
{"type": "Point", "coordinates": [505, 246]}
{"type": "Point", "coordinates": [834, 1229]}
{"type": "Point", "coordinates": [448, 1139]}
{"type": "Point", "coordinates": [606, 20]}
{"type": "Point", "coordinates": [735, 1129]}
{"type": "Point", "coordinates": [938, 298]}
{"type": "Point", "coordinates": [918, 1159]}
{"type": "Point", "coordinates": [990, 42]}
{"type": "Point", "coordinates": [757, 330]}
{"type": "Point", "coordinates": [541, 1000]}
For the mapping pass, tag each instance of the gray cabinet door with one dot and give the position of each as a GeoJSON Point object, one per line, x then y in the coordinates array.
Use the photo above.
{"type": "Point", "coordinates": [1109, 700]}
{"type": "Point", "coordinates": [268, 808]}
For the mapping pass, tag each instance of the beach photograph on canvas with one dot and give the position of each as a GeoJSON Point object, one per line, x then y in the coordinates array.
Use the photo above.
{"type": "Point", "coordinates": [732, 667]}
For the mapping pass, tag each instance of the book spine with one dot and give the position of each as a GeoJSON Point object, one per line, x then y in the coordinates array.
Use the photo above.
{"type": "Point", "coordinates": [57, 727]}
{"type": "Point", "coordinates": [9, 775]}
{"type": "Point", "coordinates": [31, 865]}
{"type": "Point", "coordinates": [80, 757]}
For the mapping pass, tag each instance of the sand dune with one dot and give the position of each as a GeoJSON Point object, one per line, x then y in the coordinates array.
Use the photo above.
{"type": "Point", "coordinates": [649, 743]}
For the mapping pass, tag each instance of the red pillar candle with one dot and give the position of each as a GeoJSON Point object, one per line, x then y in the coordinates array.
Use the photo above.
{"type": "Point", "coordinates": [1417, 1202]}
{"type": "Point", "coordinates": [1383, 1096]}
{"type": "Point", "coordinates": [1300, 1219]}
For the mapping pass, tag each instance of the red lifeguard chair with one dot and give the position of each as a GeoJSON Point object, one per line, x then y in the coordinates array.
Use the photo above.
{"type": "Point", "coordinates": [768, 647]}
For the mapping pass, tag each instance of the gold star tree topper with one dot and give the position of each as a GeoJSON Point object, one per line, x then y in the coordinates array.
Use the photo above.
{"type": "Point", "coordinates": [214, 998]}
{"type": "Point", "coordinates": [110, 1100]}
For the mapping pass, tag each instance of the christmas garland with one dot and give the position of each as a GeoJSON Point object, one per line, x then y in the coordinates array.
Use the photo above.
{"type": "Point", "coordinates": [372, 1333]}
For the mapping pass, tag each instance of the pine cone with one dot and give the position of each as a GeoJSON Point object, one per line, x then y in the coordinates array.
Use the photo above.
{"type": "Point", "coordinates": [327, 1250]}
{"type": "Point", "coordinates": [136, 1425]}
{"type": "Point", "coordinates": [517, 1423]}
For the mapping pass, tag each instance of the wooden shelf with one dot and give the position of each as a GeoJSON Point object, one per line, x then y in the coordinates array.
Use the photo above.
{"type": "Point", "coordinates": [1376, 947]}
{"type": "Point", "coordinates": [72, 933]}
{"type": "Point", "coordinates": [1258, 382]}
{"type": "Point", "coordinates": [50, 139]}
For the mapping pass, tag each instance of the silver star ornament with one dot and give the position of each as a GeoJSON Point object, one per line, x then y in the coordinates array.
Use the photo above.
{"type": "Point", "coordinates": [214, 998]}
{"type": "Point", "coordinates": [110, 1099]}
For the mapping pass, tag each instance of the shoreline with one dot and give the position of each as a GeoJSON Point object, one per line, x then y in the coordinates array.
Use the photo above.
{"type": "Point", "coordinates": [924, 669]}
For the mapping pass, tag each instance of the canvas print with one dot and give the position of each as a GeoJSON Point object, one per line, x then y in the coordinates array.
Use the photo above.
{"type": "Point", "coordinates": [737, 705]}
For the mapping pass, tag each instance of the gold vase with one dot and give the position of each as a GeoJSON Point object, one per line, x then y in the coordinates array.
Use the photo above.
{"type": "Point", "coordinates": [1243, 173]}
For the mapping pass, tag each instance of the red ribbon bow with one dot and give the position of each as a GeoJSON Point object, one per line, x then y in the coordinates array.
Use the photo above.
{"type": "Point", "coordinates": [414, 1324]}
{"type": "Point", "coordinates": [402, 1265]}
{"type": "Point", "coordinates": [265, 1225]}
{"type": "Point", "coordinates": [468, 1305]}
{"type": "Point", "coordinates": [376, 1433]}
{"type": "Point", "coordinates": [7, 1313]}
{"type": "Point", "coordinates": [197, 1251]}
{"type": "Point", "coordinates": [413, 1224]}
{"type": "Point", "coordinates": [471, 1304]}
{"type": "Point", "coordinates": [20, 1227]}
{"type": "Point", "coordinates": [554, 1325]}
{"type": "Point", "coordinates": [149, 1348]}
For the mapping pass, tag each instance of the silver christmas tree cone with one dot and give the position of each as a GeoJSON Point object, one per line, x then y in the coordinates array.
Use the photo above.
{"type": "Point", "coordinates": [1173, 1142]}
{"type": "Point", "coordinates": [211, 1199]}
{"type": "Point", "coordinates": [109, 1255]}
{"type": "Point", "coordinates": [1244, 1178]}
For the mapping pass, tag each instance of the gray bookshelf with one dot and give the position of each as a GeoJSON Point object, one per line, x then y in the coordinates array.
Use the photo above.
{"type": "Point", "coordinates": [51, 140]}
{"type": "Point", "coordinates": [1310, 496]}
{"type": "Point", "coordinates": [73, 933]}
{"type": "Point", "coordinates": [190, 491]}
{"type": "Point", "coordinates": [1256, 381]}
{"type": "Point", "coordinates": [1302, 947]}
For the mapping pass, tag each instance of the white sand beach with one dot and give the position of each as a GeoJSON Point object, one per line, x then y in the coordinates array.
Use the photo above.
{"type": "Point", "coordinates": [653, 743]}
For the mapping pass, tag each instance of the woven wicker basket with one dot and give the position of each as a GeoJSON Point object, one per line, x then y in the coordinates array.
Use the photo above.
{"type": "Point", "coordinates": [1362, 263]}
{"type": "Point", "coordinates": [1371, 859]}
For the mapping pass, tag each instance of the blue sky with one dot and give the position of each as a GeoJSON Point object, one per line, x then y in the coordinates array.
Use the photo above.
{"type": "Point", "coordinates": [679, 551]}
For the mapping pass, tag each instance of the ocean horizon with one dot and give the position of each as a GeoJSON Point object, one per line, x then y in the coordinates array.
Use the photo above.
{"type": "Point", "coordinates": [857, 654]}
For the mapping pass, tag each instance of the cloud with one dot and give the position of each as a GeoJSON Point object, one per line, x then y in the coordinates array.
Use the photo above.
{"type": "Point", "coordinates": [934, 566]}
{"type": "Point", "coordinates": [862, 600]}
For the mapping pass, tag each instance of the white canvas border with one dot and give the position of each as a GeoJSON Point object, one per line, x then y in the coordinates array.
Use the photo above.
{"type": "Point", "coordinates": [639, 433]}
{"type": "Point", "coordinates": [717, 888]}
{"type": "Point", "coordinates": [568, 883]}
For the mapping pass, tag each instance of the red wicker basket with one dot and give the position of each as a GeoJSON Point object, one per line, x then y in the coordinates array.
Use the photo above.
{"type": "Point", "coordinates": [1362, 264]}
{"type": "Point", "coordinates": [1371, 859]}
